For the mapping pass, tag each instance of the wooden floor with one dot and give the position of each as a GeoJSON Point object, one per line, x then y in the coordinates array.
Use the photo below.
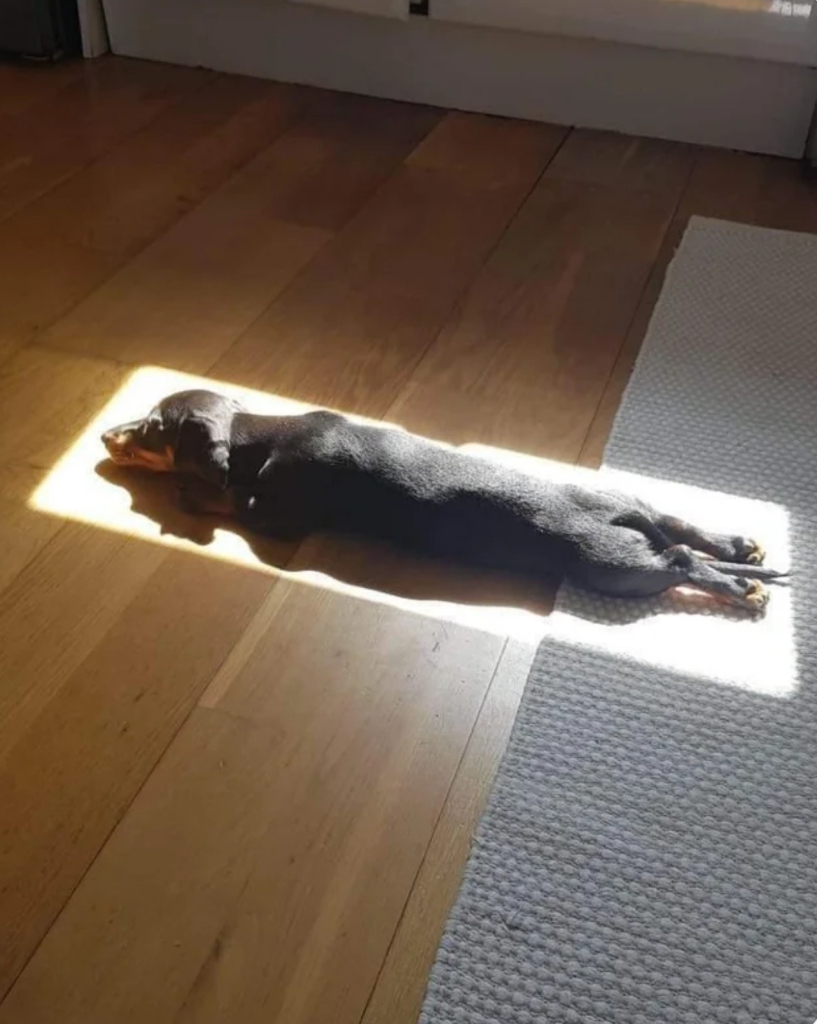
{"type": "Point", "coordinates": [231, 793]}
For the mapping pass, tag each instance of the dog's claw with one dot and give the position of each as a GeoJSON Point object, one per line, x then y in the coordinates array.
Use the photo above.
{"type": "Point", "coordinates": [748, 551]}
{"type": "Point", "coordinates": [756, 554]}
{"type": "Point", "coordinates": [757, 596]}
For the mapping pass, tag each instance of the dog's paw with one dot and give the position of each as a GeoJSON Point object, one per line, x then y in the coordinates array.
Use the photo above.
{"type": "Point", "coordinates": [748, 551]}
{"type": "Point", "coordinates": [756, 596]}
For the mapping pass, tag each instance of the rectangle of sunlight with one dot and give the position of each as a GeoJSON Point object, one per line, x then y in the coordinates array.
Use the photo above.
{"type": "Point", "coordinates": [734, 649]}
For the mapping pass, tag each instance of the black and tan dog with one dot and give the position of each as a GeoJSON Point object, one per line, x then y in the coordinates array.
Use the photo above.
{"type": "Point", "coordinates": [291, 475]}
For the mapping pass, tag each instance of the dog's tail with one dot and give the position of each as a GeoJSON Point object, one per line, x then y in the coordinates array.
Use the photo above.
{"type": "Point", "coordinates": [752, 572]}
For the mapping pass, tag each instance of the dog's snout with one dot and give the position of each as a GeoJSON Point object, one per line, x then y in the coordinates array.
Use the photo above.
{"type": "Point", "coordinates": [114, 439]}
{"type": "Point", "coordinates": [119, 444]}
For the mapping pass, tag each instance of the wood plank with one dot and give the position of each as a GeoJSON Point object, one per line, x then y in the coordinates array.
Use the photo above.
{"type": "Point", "coordinates": [47, 400]}
{"type": "Point", "coordinates": [213, 274]}
{"type": "Point", "coordinates": [56, 611]}
{"type": "Point", "coordinates": [591, 453]}
{"type": "Point", "coordinates": [208, 794]}
{"type": "Point", "coordinates": [24, 85]}
{"type": "Point", "coordinates": [337, 155]}
{"type": "Point", "coordinates": [41, 277]}
{"type": "Point", "coordinates": [351, 328]}
{"type": "Point", "coordinates": [105, 726]}
{"type": "Point", "coordinates": [477, 147]}
{"type": "Point", "coordinates": [540, 328]}
{"type": "Point", "coordinates": [71, 581]}
{"type": "Point", "coordinates": [621, 161]}
{"type": "Point", "coordinates": [399, 696]}
{"type": "Point", "coordinates": [81, 232]}
{"type": "Point", "coordinates": [527, 315]}
{"type": "Point", "coordinates": [132, 193]}
{"type": "Point", "coordinates": [760, 190]}
{"type": "Point", "coordinates": [23, 532]}
{"type": "Point", "coordinates": [398, 993]}
{"type": "Point", "coordinates": [727, 186]}
{"type": "Point", "coordinates": [51, 139]}
{"type": "Point", "coordinates": [207, 278]}
{"type": "Point", "coordinates": [240, 882]}
{"type": "Point", "coordinates": [463, 417]}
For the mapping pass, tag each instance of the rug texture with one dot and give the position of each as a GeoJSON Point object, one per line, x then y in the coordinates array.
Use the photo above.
{"type": "Point", "coordinates": [649, 851]}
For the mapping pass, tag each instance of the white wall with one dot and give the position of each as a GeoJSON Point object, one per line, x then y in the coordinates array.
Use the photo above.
{"type": "Point", "coordinates": [739, 103]}
{"type": "Point", "coordinates": [784, 31]}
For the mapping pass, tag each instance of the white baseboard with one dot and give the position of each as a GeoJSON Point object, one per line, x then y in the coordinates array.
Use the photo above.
{"type": "Point", "coordinates": [737, 103]}
{"type": "Point", "coordinates": [92, 28]}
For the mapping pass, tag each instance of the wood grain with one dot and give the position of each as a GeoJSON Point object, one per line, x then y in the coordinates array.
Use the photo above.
{"type": "Point", "coordinates": [137, 189]}
{"type": "Point", "coordinates": [105, 726]}
{"type": "Point", "coordinates": [352, 327]}
{"type": "Point", "coordinates": [623, 162]}
{"type": "Point", "coordinates": [23, 85]}
{"type": "Point", "coordinates": [726, 186]}
{"type": "Point", "coordinates": [47, 400]}
{"type": "Point", "coordinates": [591, 453]}
{"type": "Point", "coordinates": [41, 277]}
{"type": "Point", "coordinates": [56, 612]}
{"type": "Point", "coordinates": [52, 138]}
{"type": "Point", "coordinates": [495, 152]}
{"type": "Point", "coordinates": [540, 328]}
{"type": "Point", "coordinates": [339, 153]}
{"type": "Point", "coordinates": [751, 189]}
{"type": "Point", "coordinates": [214, 273]}
{"type": "Point", "coordinates": [209, 791]}
{"type": "Point", "coordinates": [375, 754]}
{"type": "Point", "coordinates": [264, 835]}
{"type": "Point", "coordinates": [398, 993]}
{"type": "Point", "coordinates": [81, 231]}
{"type": "Point", "coordinates": [207, 278]}
{"type": "Point", "coordinates": [23, 532]}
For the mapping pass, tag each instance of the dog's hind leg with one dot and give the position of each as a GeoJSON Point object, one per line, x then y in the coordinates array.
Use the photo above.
{"type": "Point", "coordinates": [743, 591]}
{"type": "Point", "coordinates": [644, 523]}
{"type": "Point", "coordinates": [676, 566]}
{"type": "Point", "coordinates": [721, 547]}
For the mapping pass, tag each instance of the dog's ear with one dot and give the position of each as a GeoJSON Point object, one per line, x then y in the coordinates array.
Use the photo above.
{"type": "Point", "coordinates": [203, 448]}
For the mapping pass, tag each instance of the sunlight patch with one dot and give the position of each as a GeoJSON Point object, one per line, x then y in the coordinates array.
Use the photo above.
{"type": "Point", "coordinates": [729, 647]}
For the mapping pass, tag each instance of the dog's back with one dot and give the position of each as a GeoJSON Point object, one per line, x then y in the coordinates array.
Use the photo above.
{"type": "Point", "coordinates": [325, 472]}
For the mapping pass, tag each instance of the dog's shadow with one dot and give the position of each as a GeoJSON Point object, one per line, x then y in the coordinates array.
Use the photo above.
{"type": "Point", "coordinates": [377, 567]}
{"type": "Point", "coordinates": [350, 561]}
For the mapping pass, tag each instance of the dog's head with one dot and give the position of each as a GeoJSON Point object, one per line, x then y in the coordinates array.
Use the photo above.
{"type": "Point", "coordinates": [188, 432]}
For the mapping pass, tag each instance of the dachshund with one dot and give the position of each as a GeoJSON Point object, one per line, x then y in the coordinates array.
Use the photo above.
{"type": "Point", "coordinates": [292, 475]}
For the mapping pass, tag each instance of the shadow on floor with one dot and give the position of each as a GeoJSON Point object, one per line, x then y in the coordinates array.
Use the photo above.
{"type": "Point", "coordinates": [372, 565]}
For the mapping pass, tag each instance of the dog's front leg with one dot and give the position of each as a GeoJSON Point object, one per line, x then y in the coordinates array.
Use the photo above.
{"type": "Point", "coordinates": [198, 497]}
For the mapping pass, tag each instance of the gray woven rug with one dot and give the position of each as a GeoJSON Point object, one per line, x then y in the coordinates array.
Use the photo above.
{"type": "Point", "coordinates": [649, 852]}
